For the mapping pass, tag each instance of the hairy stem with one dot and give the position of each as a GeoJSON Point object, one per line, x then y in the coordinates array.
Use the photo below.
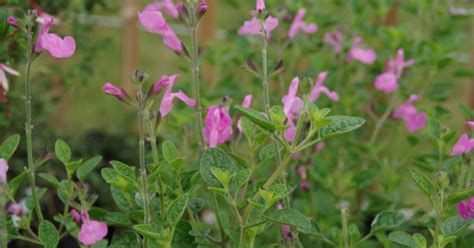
{"type": "Point", "coordinates": [345, 229]}
{"type": "Point", "coordinates": [439, 216]}
{"type": "Point", "coordinates": [3, 221]}
{"type": "Point", "coordinates": [156, 160]}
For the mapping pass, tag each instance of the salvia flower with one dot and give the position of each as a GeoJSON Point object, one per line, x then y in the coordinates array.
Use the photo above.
{"type": "Point", "coordinates": [246, 104]}
{"type": "Point", "coordinates": [202, 7]}
{"type": "Point", "coordinates": [3, 171]}
{"type": "Point", "coordinates": [386, 82]}
{"type": "Point", "coordinates": [55, 45]}
{"type": "Point", "coordinates": [17, 211]}
{"type": "Point", "coordinates": [3, 77]}
{"type": "Point", "coordinates": [292, 106]}
{"type": "Point", "coordinates": [254, 26]}
{"type": "Point", "coordinates": [154, 22]}
{"type": "Point", "coordinates": [91, 231]}
{"type": "Point", "coordinates": [335, 39]}
{"type": "Point", "coordinates": [470, 124]}
{"type": "Point", "coordinates": [320, 146]}
{"type": "Point", "coordinates": [112, 90]}
{"type": "Point", "coordinates": [285, 229]}
{"type": "Point", "coordinates": [168, 5]}
{"type": "Point", "coordinates": [397, 65]}
{"type": "Point", "coordinates": [299, 25]}
{"type": "Point", "coordinates": [76, 216]}
{"type": "Point", "coordinates": [464, 145]}
{"type": "Point", "coordinates": [168, 96]}
{"type": "Point", "coordinates": [366, 56]}
{"type": "Point", "coordinates": [301, 170]}
{"type": "Point", "coordinates": [320, 88]}
{"type": "Point", "coordinates": [466, 209]}
{"type": "Point", "coordinates": [260, 5]}
{"type": "Point", "coordinates": [11, 20]}
{"type": "Point", "coordinates": [218, 126]}
{"type": "Point", "coordinates": [413, 119]}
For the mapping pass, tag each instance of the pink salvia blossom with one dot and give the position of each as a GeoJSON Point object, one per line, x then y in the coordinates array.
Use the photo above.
{"type": "Point", "coordinates": [301, 170]}
{"type": "Point", "coordinates": [299, 25]}
{"type": "Point", "coordinates": [470, 124]}
{"type": "Point", "coordinates": [464, 145]}
{"type": "Point", "coordinates": [320, 146]}
{"type": "Point", "coordinates": [413, 119]}
{"type": "Point", "coordinates": [17, 211]}
{"type": "Point", "coordinates": [366, 56]}
{"type": "Point", "coordinates": [260, 5]}
{"type": "Point", "coordinates": [154, 22]}
{"type": "Point", "coordinates": [466, 209]}
{"type": "Point", "coordinates": [254, 26]}
{"type": "Point", "coordinates": [55, 45]}
{"type": "Point", "coordinates": [11, 20]}
{"type": "Point", "coordinates": [335, 39]}
{"type": "Point", "coordinates": [112, 90]}
{"type": "Point", "coordinates": [285, 230]}
{"type": "Point", "coordinates": [218, 126]}
{"type": "Point", "coordinates": [167, 101]}
{"type": "Point", "coordinates": [292, 106]}
{"type": "Point", "coordinates": [202, 7]}
{"type": "Point", "coordinates": [386, 82]}
{"type": "Point", "coordinates": [91, 231]}
{"type": "Point", "coordinates": [320, 88]}
{"type": "Point", "coordinates": [3, 171]}
{"type": "Point", "coordinates": [246, 104]}
{"type": "Point", "coordinates": [76, 216]}
{"type": "Point", "coordinates": [3, 77]}
{"type": "Point", "coordinates": [168, 5]}
{"type": "Point", "coordinates": [397, 65]}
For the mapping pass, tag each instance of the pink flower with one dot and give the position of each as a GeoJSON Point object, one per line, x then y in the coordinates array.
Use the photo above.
{"type": "Point", "coordinates": [413, 120]}
{"type": "Point", "coordinates": [168, 5]}
{"type": "Point", "coordinates": [162, 83]}
{"type": "Point", "coordinates": [466, 209]}
{"type": "Point", "coordinates": [320, 146]}
{"type": "Point", "coordinates": [17, 212]}
{"type": "Point", "coordinates": [463, 145]}
{"type": "Point", "coordinates": [218, 126]}
{"type": "Point", "coordinates": [386, 82]}
{"type": "Point", "coordinates": [300, 25]}
{"type": "Point", "coordinates": [3, 171]}
{"type": "Point", "coordinates": [397, 65]}
{"type": "Point", "coordinates": [91, 231]}
{"type": "Point", "coordinates": [57, 47]}
{"type": "Point", "coordinates": [246, 104]}
{"type": "Point", "coordinates": [470, 124]}
{"type": "Point", "coordinates": [301, 170]}
{"type": "Point", "coordinates": [112, 90]}
{"type": "Point", "coordinates": [285, 229]}
{"type": "Point", "coordinates": [3, 77]}
{"type": "Point", "coordinates": [11, 20]}
{"type": "Point", "coordinates": [334, 39]}
{"type": "Point", "coordinates": [292, 106]}
{"type": "Point", "coordinates": [168, 97]}
{"type": "Point", "coordinates": [260, 5]}
{"type": "Point", "coordinates": [319, 88]}
{"type": "Point", "coordinates": [76, 216]}
{"type": "Point", "coordinates": [253, 27]}
{"type": "Point", "coordinates": [202, 7]}
{"type": "Point", "coordinates": [154, 22]}
{"type": "Point", "coordinates": [366, 56]}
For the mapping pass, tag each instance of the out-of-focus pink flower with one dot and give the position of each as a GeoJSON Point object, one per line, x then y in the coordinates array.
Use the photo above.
{"type": "Point", "coordinates": [397, 65]}
{"type": "Point", "coordinates": [3, 171]}
{"type": "Point", "coordinates": [218, 126]}
{"type": "Point", "coordinates": [254, 26]}
{"type": "Point", "coordinates": [335, 39]}
{"type": "Point", "coordinates": [76, 216]}
{"type": "Point", "coordinates": [246, 104]}
{"type": "Point", "coordinates": [386, 82]}
{"type": "Point", "coordinates": [112, 90]}
{"type": "Point", "coordinates": [91, 231]}
{"type": "Point", "coordinates": [55, 45]}
{"type": "Point", "coordinates": [366, 56]}
{"type": "Point", "coordinates": [320, 146]}
{"type": "Point", "coordinates": [154, 22]}
{"type": "Point", "coordinates": [168, 5]}
{"type": "Point", "coordinates": [17, 211]}
{"type": "Point", "coordinates": [413, 119]}
{"type": "Point", "coordinates": [470, 124]}
{"type": "Point", "coordinates": [285, 229]}
{"type": "Point", "coordinates": [299, 25]}
{"type": "Point", "coordinates": [11, 20]}
{"type": "Point", "coordinates": [260, 5]}
{"type": "Point", "coordinates": [168, 97]}
{"type": "Point", "coordinates": [320, 88]}
{"type": "Point", "coordinates": [3, 77]}
{"type": "Point", "coordinates": [464, 145]}
{"type": "Point", "coordinates": [292, 106]}
{"type": "Point", "coordinates": [301, 170]}
{"type": "Point", "coordinates": [202, 7]}
{"type": "Point", "coordinates": [160, 84]}
{"type": "Point", "coordinates": [466, 209]}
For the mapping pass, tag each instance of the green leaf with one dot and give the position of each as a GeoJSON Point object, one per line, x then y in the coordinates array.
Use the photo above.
{"type": "Point", "coordinates": [62, 151]}
{"type": "Point", "coordinates": [16, 182]}
{"type": "Point", "coordinates": [423, 182]}
{"type": "Point", "coordinates": [124, 170]}
{"type": "Point", "coordinates": [240, 179]}
{"type": "Point", "coordinates": [48, 234]}
{"type": "Point", "coordinates": [170, 152]}
{"type": "Point", "coordinates": [420, 240]}
{"type": "Point", "coordinates": [176, 209]}
{"type": "Point", "coordinates": [72, 166]}
{"type": "Point", "coordinates": [215, 158]}
{"type": "Point", "coordinates": [340, 125]}
{"type": "Point", "coordinates": [460, 195]}
{"type": "Point", "coordinates": [290, 216]}
{"type": "Point", "coordinates": [402, 238]}
{"type": "Point", "coordinates": [386, 221]}
{"type": "Point", "coordinates": [256, 117]}
{"type": "Point", "coordinates": [454, 225]}
{"type": "Point", "coordinates": [150, 231]}
{"type": "Point", "coordinates": [118, 219]}
{"type": "Point", "coordinates": [87, 167]}
{"type": "Point", "coordinates": [50, 179]}
{"type": "Point", "coordinates": [9, 147]}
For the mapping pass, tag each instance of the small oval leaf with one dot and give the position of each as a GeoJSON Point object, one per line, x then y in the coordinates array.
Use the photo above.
{"type": "Point", "coordinates": [215, 158]}
{"type": "Point", "coordinates": [48, 234]}
{"type": "Point", "coordinates": [62, 151]}
{"type": "Point", "coordinates": [256, 117]}
{"type": "Point", "coordinates": [9, 147]}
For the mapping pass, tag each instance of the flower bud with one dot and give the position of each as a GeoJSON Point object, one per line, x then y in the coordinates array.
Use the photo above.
{"type": "Point", "coordinates": [442, 180]}
{"type": "Point", "coordinates": [201, 9]}
{"type": "Point", "coordinates": [182, 10]}
{"type": "Point", "coordinates": [112, 90]}
{"type": "Point", "coordinates": [13, 21]}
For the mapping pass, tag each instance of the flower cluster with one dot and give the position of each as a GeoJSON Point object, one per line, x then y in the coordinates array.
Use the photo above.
{"type": "Point", "coordinates": [414, 120]}
{"type": "Point", "coordinates": [388, 81]}
{"type": "Point", "coordinates": [92, 231]}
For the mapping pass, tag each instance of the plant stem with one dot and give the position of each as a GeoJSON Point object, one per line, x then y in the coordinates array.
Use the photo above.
{"type": "Point", "coordinates": [382, 120]}
{"type": "Point", "coordinates": [3, 221]}
{"type": "Point", "coordinates": [195, 67]}
{"type": "Point", "coordinates": [345, 230]}
{"type": "Point", "coordinates": [439, 212]}
{"type": "Point", "coordinates": [219, 220]}
{"type": "Point", "coordinates": [141, 150]}
{"type": "Point", "coordinates": [28, 125]}
{"type": "Point", "coordinates": [156, 160]}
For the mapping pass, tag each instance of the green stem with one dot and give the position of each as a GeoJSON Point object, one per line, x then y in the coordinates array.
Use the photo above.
{"type": "Point", "coordinates": [3, 221]}
{"type": "Point", "coordinates": [219, 220]}
{"type": "Point", "coordinates": [156, 160]}
{"type": "Point", "coordinates": [195, 67]}
{"type": "Point", "coordinates": [18, 237]}
{"type": "Point", "coordinates": [382, 120]}
{"type": "Point", "coordinates": [345, 229]}
{"type": "Point", "coordinates": [439, 212]}
{"type": "Point", "coordinates": [28, 125]}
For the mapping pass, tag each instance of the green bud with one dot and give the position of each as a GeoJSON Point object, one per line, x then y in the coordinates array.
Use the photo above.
{"type": "Point", "coordinates": [442, 179]}
{"type": "Point", "coordinates": [278, 116]}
